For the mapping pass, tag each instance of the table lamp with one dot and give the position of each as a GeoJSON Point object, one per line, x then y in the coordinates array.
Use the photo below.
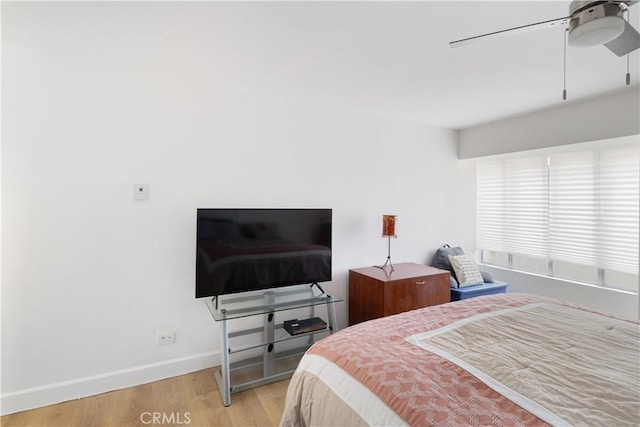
{"type": "Point", "coordinates": [388, 231]}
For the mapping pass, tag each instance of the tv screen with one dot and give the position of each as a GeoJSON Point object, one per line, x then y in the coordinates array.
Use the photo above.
{"type": "Point", "coordinates": [241, 250]}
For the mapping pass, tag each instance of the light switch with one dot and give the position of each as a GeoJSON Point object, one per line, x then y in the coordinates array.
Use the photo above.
{"type": "Point", "coordinates": [140, 191]}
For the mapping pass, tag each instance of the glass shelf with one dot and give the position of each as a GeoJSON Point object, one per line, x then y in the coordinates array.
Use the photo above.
{"type": "Point", "coordinates": [235, 306]}
{"type": "Point", "coordinates": [280, 336]}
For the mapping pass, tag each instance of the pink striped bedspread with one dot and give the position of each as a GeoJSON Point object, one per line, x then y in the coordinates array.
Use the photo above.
{"type": "Point", "coordinates": [499, 360]}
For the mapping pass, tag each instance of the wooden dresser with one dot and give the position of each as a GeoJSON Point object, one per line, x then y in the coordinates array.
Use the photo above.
{"type": "Point", "coordinates": [374, 292]}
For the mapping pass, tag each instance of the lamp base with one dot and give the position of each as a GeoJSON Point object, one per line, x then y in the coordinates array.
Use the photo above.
{"type": "Point", "coordinates": [388, 256]}
{"type": "Point", "coordinates": [387, 262]}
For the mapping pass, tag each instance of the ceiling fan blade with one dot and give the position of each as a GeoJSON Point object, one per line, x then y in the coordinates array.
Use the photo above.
{"type": "Point", "coordinates": [516, 30]}
{"type": "Point", "coordinates": [626, 42]}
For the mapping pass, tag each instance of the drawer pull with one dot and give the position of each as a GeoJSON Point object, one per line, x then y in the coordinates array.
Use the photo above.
{"type": "Point", "coordinates": [421, 282]}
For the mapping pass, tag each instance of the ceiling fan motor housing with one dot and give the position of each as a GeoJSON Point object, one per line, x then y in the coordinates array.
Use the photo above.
{"type": "Point", "coordinates": [595, 23]}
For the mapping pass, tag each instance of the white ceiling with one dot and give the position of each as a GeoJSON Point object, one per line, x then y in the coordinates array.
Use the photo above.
{"type": "Point", "coordinates": [385, 58]}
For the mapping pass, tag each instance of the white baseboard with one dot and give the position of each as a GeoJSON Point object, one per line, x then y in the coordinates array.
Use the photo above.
{"type": "Point", "coordinates": [96, 384]}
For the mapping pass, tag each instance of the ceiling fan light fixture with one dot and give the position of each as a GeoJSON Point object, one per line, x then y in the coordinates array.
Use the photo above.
{"type": "Point", "coordinates": [597, 31]}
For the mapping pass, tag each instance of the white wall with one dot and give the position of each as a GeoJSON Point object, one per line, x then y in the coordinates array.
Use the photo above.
{"type": "Point", "coordinates": [89, 275]}
{"type": "Point", "coordinates": [607, 116]}
{"type": "Point", "coordinates": [610, 301]}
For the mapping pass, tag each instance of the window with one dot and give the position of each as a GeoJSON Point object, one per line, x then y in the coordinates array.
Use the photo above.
{"type": "Point", "coordinates": [572, 215]}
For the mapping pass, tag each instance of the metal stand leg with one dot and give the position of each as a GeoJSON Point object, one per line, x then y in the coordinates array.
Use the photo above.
{"type": "Point", "coordinates": [268, 358]}
{"type": "Point", "coordinates": [312, 314]}
{"type": "Point", "coordinates": [223, 376]}
{"type": "Point", "coordinates": [332, 315]}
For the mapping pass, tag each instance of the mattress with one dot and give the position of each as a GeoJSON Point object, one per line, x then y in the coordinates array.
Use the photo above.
{"type": "Point", "coordinates": [505, 360]}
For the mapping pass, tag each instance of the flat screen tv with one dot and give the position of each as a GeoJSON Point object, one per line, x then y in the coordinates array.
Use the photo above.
{"type": "Point", "coordinates": [241, 250]}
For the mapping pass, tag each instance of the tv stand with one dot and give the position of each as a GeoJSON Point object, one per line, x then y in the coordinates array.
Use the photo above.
{"type": "Point", "coordinates": [226, 308]}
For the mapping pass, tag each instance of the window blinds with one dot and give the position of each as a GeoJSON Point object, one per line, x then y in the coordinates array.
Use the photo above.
{"type": "Point", "coordinates": [527, 206]}
{"type": "Point", "coordinates": [581, 207]}
{"type": "Point", "coordinates": [620, 208]}
{"type": "Point", "coordinates": [573, 208]}
{"type": "Point", "coordinates": [512, 206]}
{"type": "Point", "coordinates": [491, 211]}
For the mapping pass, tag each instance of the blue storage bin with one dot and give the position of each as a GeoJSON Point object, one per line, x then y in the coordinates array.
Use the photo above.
{"type": "Point", "coordinates": [466, 292]}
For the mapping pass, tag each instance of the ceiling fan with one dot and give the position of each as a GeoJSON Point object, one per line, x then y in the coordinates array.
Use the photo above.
{"type": "Point", "coordinates": [590, 23]}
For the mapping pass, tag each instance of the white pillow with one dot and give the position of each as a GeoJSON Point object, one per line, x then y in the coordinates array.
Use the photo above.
{"type": "Point", "coordinates": [466, 270]}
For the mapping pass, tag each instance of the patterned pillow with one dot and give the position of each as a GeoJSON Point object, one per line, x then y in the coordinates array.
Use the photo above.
{"type": "Point", "coordinates": [466, 270]}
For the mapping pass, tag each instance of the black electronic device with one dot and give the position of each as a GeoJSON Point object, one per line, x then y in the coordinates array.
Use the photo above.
{"type": "Point", "coordinates": [239, 250]}
{"type": "Point", "coordinates": [297, 327]}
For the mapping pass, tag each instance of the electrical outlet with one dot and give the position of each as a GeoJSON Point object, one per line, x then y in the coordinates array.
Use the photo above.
{"type": "Point", "coordinates": [165, 337]}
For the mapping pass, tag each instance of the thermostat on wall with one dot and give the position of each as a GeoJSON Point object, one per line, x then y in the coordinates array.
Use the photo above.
{"type": "Point", "coordinates": [140, 191]}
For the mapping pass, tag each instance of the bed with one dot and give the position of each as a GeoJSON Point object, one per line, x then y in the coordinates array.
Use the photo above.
{"type": "Point", "coordinates": [501, 360]}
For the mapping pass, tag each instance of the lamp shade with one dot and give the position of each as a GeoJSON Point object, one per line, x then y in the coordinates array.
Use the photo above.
{"type": "Point", "coordinates": [389, 226]}
{"type": "Point", "coordinates": [597, 31]}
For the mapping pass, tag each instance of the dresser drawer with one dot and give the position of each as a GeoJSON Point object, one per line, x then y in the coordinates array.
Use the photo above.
{"type": "Point", "coordinates": [417, 292]}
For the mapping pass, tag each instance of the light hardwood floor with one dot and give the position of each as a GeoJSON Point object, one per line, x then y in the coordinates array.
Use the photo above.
{"type": "Point", "coordinates": [193, 397]}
